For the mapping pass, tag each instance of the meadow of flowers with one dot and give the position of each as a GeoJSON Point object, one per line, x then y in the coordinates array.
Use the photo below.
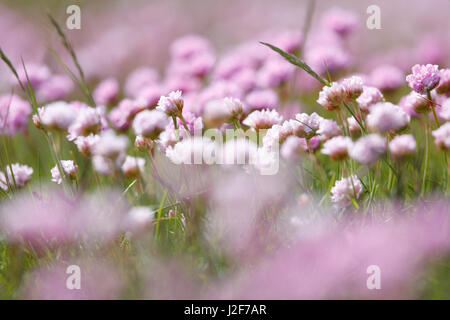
{"type": "Point", "coordinates": [284, 165]}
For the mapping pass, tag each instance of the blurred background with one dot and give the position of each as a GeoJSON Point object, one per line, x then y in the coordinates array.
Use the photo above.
{"type": "Point", "coordinates": [117, 36]}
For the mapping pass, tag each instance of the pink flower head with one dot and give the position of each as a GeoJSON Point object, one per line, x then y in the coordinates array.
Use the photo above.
{"type": "Point", "coordinates": [274, 72]}
{"type": "Point", "coordinates": [55, 88]}
{"type": "Point", "coordinates": [70, 170]}
{"type": "Point", "coordinates": [403, 145]}
{"type": "Point", "coordinates": [442, 136]}
{"type": "Point", "coordinates": [424, 78]}
{"type": "Point", "coordinates": [234, 107]}
{"type": "Point", "coordinates": [444, 83]}
{"type": "Point", "coordinates": [277, 135]}
{"type": "Point", "coordinates": [262, 119]}
{"type": "Point", "coordinates": [328, 129]}
{"type": "Point", "coordinates": [150, 123]}
{"type": "Point", "coordinates": [330, 56]}
{"type": "Point", "coordinates": [353, 125]}
{"type": "Point", "coordinates": [143, 144]}
{"type": "Point", "coordinates": [331, 97]}
{"type": "Point", "coordinates": [261, 99]}
{"type": "Point", "coordinates": [57, 115]}
{"type": "Point", "coordinates": [110, 145]}
{"type": "Point", "coordinates": [149, 96]}
{"type": "Point", "coordinates": [132, 167]}
{"type": "Point", "coordinates": [340, 21]}
{"type": "Point", "coordinates": [292, 148]}
{"type": "Point", "coordinates": [369, 96]}
{"type": "Point", "coordinates": [415, 104]}
{"type": "Point", "coordinates": [338, 147]}
{"type": "Point", "coordinates": [386, 117]}
{"type": "Point", "coordinates": [171, 104]}
{"type": "Point", "coordinates": [188, 46]}
{"type": "Point", "coordinates": [37, 74]}
{"type": "Point", "coordinates": [344, 190]}
{"type": "Point", "coordinates": [14, 114]}
{"type": "Point", "coordinates": [353, 87]}
{"type": "Point", "coordinates": [87, 121]}
{"type": "Point", "coordinates": [122, 115]}
{"type": "Point", "coordinates": [198, 65]}
{"type": "Point", "coordinates": [86, 144]}
{"type": "Point", "coordinates": [309, 124]}
{"type": "Point", "coordinates": [138, 218]}
{"type": "Point", "coordinates": [140, 79]}
{"type": "Point", "coordinates": [444, 111]}
{"type": "Point", "coordinates": [288, 40]}
{"type": "Point", "coordinates": [368, 149]}
{"type": "Point", "coordinates": [387, 77]}
{"type": "Point", "coordinates": [20, 175]}
{"type": "Point", "coordinates": [106, 92]}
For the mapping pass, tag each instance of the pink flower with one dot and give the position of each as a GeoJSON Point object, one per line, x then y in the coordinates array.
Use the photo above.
{"type": "Point", "coordinates": [328, 129]}
{"type": "Point", "coordinates": [138, 218]}
{"type": "Point", "coordinates": [444, 111]}
{"type": "Point", "coordinates": [55, 88]}
{"type": "Point", "coordinates": [70, 170]}
{"type": "Point", "coordinates": [262, 119]}
{"type": "Point", "coordinates": [149, 96]}
{"type": "Point", "coordinates": [369, 96]}
{"type": "Point", "coordinates": [86, 144]}
{"type": "Point", "coordinates": [340, 21]}
{"type": "Point", "coordinates": [143, 144]}
{"type": "Point", "coordinates": [274, 72]}
{"type": "Point", "coordinates": [37, 74]}
{"type": "Point", "coordinates": [386, 117]}
{"type": "Point", "coordinates": [402, 146]}
{"type": "Point", "coordinates": [57, 115]}
{"type": "Point", "coordinates": [292, 148]}
{"type": "Point", "coordinates": [140, 79]}
{"type": "Point", "coordinates": [188, 46]}
{"type": "Point", "coordinates": [338, 147]}
{"type": "Point", "coordinates": [277, 134]}
{"type": "Point", "coordinates": [415, 104]}
{"type": "Point", "coordinates": [21, 174]}
{"type": "Point", "coordinates": [261, 99]}
{"type": "Point", "coordinates": [110, 145]}
{"type": "Point", "coordinates": [106, 92]}
{"type": "Point", "coordinates": [353, 125]}
{"type": "Point", "coordinates": [328, 56]}
{"type": "Point", "coordinates": [309, 124]}
{"type": "Point", "coordinates": [442, 136]}
{"type": "Point", "coordinates": [331, 97]}
{"type": "Point", "coordinates": [133, 166]}
{"type": "Point", "coordinates": [353, 87]}
{"type": "Point", "coordinates": [344, 190]}
{"type": "Point", "coordinates": [387, 77]}
{"type": "Point", "coordinates": [123, 114]}
{"type": "Point", "coordinates": [424, 78]}
{"type": "Point", "coordinates": [368, 149]}
{"type": "Point", "coordinates": [14, 114]}
{"type": "Point", "coordinates": [87, 121]}
{"type": "Point", "coordinates": [150, 123]}
{"type": "Point", "coordinates": [444, 83]}
{"type": "Point", "coordinates": [171, 104]}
